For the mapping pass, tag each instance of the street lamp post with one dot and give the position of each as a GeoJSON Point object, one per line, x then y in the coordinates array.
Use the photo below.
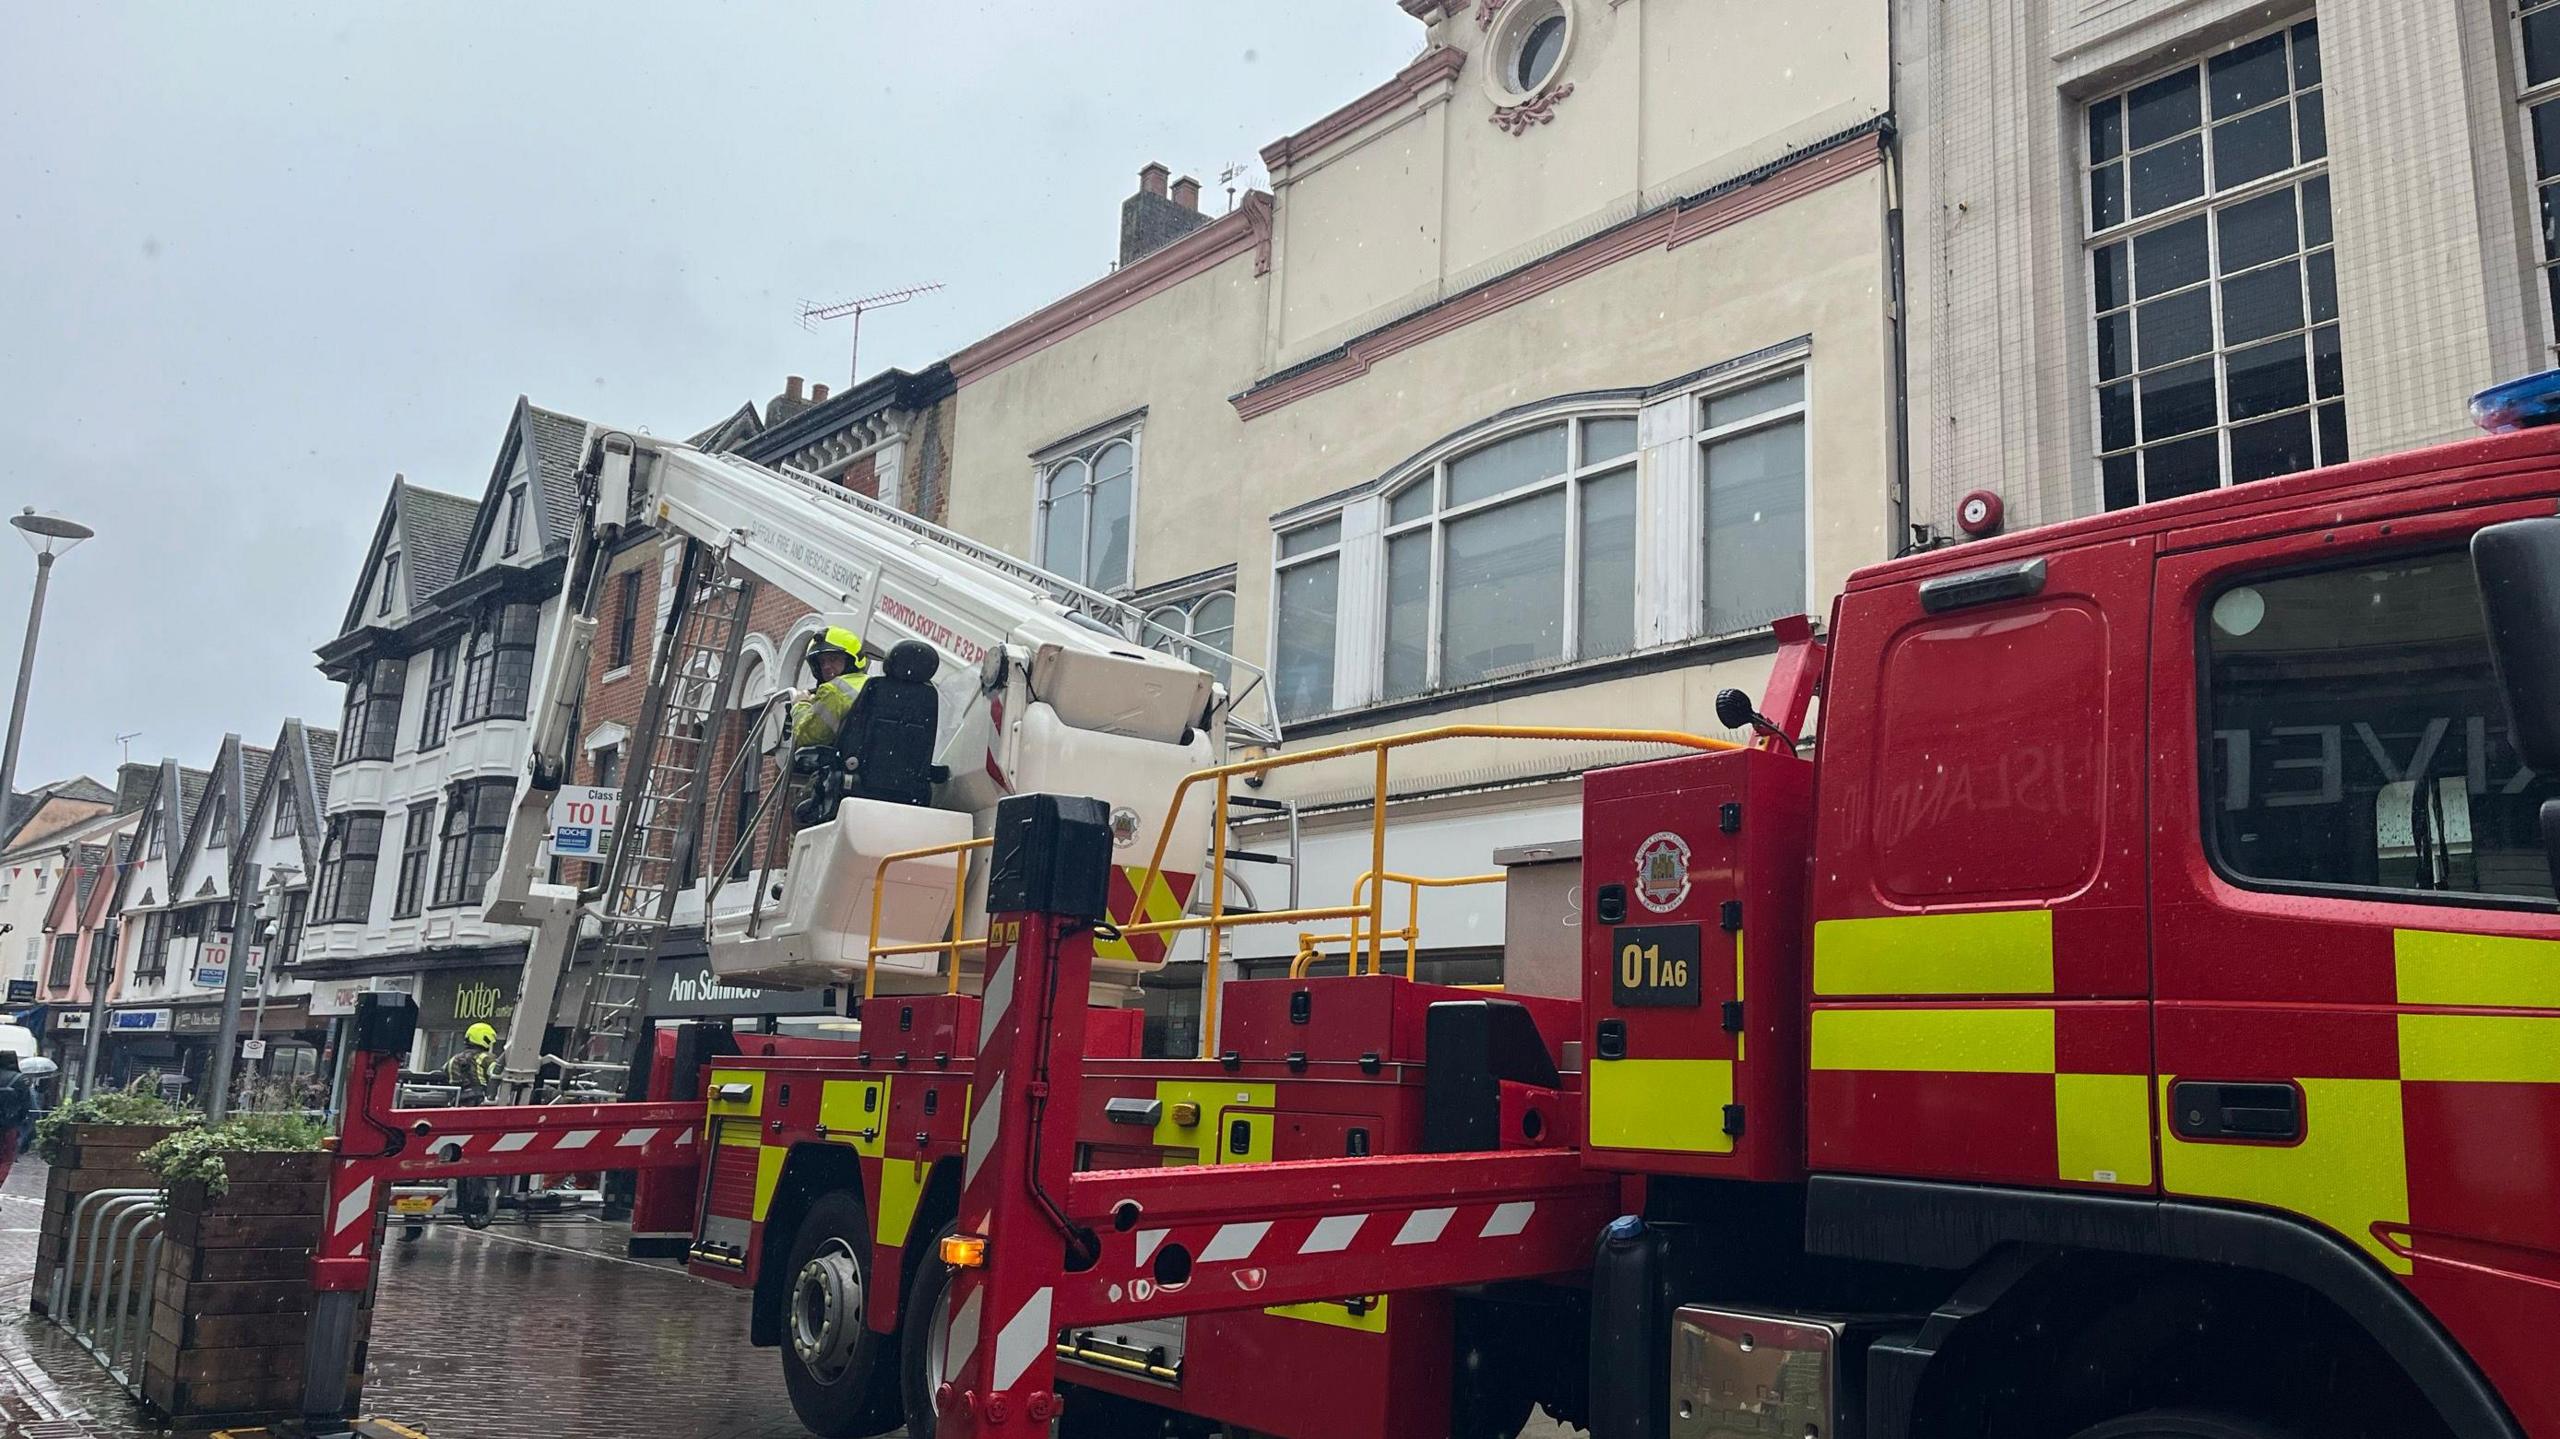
{"type": "Point", "coordinates": [49, 536]}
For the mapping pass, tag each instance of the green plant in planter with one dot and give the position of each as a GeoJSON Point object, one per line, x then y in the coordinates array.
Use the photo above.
{"type": "Point", "coordinates": [196, 1154]}
{"type": "Point", "coordinates": [134, 1104]}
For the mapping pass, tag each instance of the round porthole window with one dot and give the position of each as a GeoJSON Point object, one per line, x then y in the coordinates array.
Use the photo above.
{"type": "Point", "coordinates": [1530, 41]}
{"type": "Point", "coordinates": [1541, 50]}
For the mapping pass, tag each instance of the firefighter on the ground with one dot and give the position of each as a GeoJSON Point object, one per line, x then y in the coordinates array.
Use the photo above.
{"type": "Point", "coordinates": [474, 1065]}
{"type": "Point", "coordinates": [836, 667]}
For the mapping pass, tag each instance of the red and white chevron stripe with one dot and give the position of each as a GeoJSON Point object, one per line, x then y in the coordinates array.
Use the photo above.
{"type": "Point", "coordinates": [1202, 1267]}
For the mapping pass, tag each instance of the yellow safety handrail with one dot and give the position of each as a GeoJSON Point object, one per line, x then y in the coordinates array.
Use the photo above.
{"type": "Point", "coordinates": [949, 949]}
{"type": "Point", "coordinates": [1310, 946]}
{"type": "Point", "coordinates": [1368, 918]}
{"type": "Point", "coordinates": [1375, 913]}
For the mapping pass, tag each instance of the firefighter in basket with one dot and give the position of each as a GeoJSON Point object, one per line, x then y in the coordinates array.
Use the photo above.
{"type": "Point", "coordinates": [837, 670]}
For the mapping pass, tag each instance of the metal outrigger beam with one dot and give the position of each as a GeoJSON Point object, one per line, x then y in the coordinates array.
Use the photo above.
{"type": "Point", "coordinates": [1041, 1248]}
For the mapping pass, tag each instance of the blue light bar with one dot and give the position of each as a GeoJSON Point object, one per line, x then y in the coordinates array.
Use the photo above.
{"type": "Point", "coordinates": [2525, 404]}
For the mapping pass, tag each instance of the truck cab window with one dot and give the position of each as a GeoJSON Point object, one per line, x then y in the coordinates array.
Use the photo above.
{"type": "Point", "coordinates": [2358, 737]}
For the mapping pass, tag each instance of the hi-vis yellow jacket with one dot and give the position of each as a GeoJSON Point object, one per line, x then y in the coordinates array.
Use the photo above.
{"type": "Point", "coordinates": [816, 720]}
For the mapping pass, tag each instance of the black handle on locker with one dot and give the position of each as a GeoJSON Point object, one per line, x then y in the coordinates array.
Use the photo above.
{"type": "Point", "coordinates": [1609, 903]}
{"type": "Point", "coordinates": [2264, 1113]}
{"type": "Point", "coordinates": [1613, 1040]}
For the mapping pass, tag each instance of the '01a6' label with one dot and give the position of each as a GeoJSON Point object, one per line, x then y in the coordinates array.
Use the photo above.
{"type": "Point", "coordinates": [1657, 965]}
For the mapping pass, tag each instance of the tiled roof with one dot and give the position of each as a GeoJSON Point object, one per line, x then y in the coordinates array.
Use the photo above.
{"type": "Point", "coordinates": [559, 444]}
{"type": "Point", "coordinates": [253, 772]}
{"type": "Point", "coordinates": [742, 424]}
{"type": "Point", "coordinates": [191, 783]}
{"type": "Point", "coordinates": [324, 757]}
{"type": "Point", "coordinates": [85, 868]}
{"type": "Point", "coordinates": [434, 530]}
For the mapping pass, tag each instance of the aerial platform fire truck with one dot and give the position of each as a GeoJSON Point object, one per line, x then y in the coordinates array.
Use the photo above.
{"type": "Point", "coordinates": [2137, 1016]}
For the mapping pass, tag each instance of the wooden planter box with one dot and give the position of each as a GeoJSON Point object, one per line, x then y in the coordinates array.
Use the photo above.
{"type": "Point", "coordinates": [232, 1300]}
{"type": "Point", "coordinates": [94, 1157]}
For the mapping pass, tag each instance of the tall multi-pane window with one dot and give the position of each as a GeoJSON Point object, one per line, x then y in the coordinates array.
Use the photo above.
{"type": "Point", "coordinates": [390, 584]}
{"type": "Point", "coordinates": [514, 537]}
{"type": "Point", "coordinates": [475, 828]}
{"type": "Point", "coordinates": [497, 668]}
{"type": "Point", "coordinates": [1085, 503]}
{"type": "Point", "coordinates": [1306, 595]}
{"type": "Point", "coordinates": [2540, 20]}
{"type": "Point", "coordinates": [343, 893]}
{"type": "Point", "coordinates": [1752, 463]}
{"type": "Point", "coordinates": [373, 709]}
{"type": "Point", "coordinates": [288, 820]}
{"type": "Point", "coordinates": [626, 619]}
{"type": "Point", "coordinates": [151, 957]}
{"type": "Point", "coordinates": [415, 841]}
{"type": "Point", "coordinates": [438, 713]}
{"type": "Point", "coordinates": [1512, 556]}
{"type": "Point", "coordinates": [2212, 282]}
{"type": "Point", "coordinates": [289, 929]}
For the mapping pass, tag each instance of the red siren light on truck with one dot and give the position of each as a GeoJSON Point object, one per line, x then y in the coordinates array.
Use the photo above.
{"type": "Point", "coordinates": [2526, 404]}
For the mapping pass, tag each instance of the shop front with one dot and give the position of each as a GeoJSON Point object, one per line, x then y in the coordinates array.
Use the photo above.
{"type": "Point", "coordinates": [65, 1040]}
{"type": "Point", "coordinates": [451, 1001]}
{"type": "Point", "coordinates": [682, 986]}
{"type": "Point", "coordinates": [195, 1026]}
{"type": "Point", "coordinates": [139, 1046]}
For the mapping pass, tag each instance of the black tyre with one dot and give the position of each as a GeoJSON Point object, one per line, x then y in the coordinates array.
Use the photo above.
{"type": "Point", "coordinates": [923, 1328]}
{"type": "Point", "coordinates": [2183, 1424]}
{"type": "Point", "coordinates": [841, 1375]}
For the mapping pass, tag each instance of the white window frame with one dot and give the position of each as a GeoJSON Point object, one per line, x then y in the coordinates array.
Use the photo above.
{"type": "Point", "coordinates": [2208, 204]}
{"type": "Point", "coordinates": [2529, 98]}
{"type": "Point", "coordinates": [1280, 565]}
{"type": "Point", "coordinates": [1670, 580]}
{"type": "Point", "coordinates": [1435, 473]}
{"type": "Point", "coordinates": [1705, 439]}
{"type": "Point", "coordinates": [1084, 448]}
{"type": "Point", "coordinates": [1163, 635]}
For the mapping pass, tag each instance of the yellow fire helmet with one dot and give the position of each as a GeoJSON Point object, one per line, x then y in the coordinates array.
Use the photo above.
{"type": "Point", "coordinates": [841, 640]}
{"type": "Point", "coordinates": [480, 1036]}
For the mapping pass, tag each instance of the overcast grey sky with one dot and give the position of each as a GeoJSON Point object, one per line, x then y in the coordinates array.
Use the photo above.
{"type": "Point", "coordinates": [254, 258]}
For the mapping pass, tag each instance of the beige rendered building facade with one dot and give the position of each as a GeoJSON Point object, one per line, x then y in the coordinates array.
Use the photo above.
{"type": "Point", "coordinates": [2162, 245]}
{"type": "Point", "coordinates": [1548, 374]}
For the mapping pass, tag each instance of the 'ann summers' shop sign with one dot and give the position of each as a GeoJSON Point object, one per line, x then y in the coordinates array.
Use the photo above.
{"type": "Point", "coordinates": [687, 989]}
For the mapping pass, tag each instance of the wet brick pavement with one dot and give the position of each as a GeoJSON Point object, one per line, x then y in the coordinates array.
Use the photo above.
{"type": "Point", "coordinates": [540, 1332]}
{"type": "Point", "coordinates": [516, 1333]}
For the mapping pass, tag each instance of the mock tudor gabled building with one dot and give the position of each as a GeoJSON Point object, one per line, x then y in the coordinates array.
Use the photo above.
{"type": "Point", "coordinates": [273, 860]}
{"type": "Point", "coordinates": [173, 991]}
{"type": "Point", "coordinates": [438, 651]}
{"type": "Point", "coordinates": [146, 925]}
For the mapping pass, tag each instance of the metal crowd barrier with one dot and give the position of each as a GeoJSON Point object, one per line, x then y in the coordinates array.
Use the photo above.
{"type": "Point", "coordinates": [103, 1290]}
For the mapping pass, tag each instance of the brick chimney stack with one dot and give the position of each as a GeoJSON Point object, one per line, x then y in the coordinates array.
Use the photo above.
{"type": "Point", "coordinates": [817, 394]}
{"type": "Point", "coordinates": [790, 402]}
{"type": "Point", "coordinates": [1152, 219]}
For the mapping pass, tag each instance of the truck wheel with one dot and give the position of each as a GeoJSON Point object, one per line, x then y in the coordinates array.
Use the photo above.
{"type": "Point", "coordinates": [830, 1355]}
{"type": "Point", "coordinates": [925, 1332]}
{"type": "Point", "coordinates": [2182, 1424]}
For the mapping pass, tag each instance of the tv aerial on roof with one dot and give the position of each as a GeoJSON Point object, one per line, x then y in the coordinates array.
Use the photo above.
{"type": "Point", "coordinates": [813, 314]}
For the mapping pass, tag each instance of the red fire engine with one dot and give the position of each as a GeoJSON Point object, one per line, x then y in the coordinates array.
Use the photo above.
{"type": "Point", "coordinates": [2137, 1017]}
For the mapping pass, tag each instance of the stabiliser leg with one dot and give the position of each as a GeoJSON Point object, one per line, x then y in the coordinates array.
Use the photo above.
{"type": "Point", "coordinates": [1040, 1248]}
